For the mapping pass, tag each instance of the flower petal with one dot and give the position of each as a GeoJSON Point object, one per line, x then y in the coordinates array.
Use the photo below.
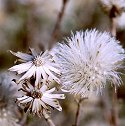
{"type": "Point", "coordinates": [54, 103]}
{"type": "Point", "coordinates": [55, 96]}
{"type": "Point", "coordinates": [50, 91]}
{"type": "Point", "coordinates": [29, 73]}
{"type": "Point", "coordinates": [23, 56]}
{"type": "Point", "coordinates": [21, 68]}
{"type": "Point", "coordinates": [34, 53]}
{"type": "Point", "coordinates": [38, 76]}
{"type": "Point", "coordinates": [52, 68]}
{"type": "Point", "coordinates": [24, 99]}
{"type": "Point", "coordinates": [45, 76]}
{"type": "Point", "coordinates": [50, 74]}
{"type": "Point", "coordinates": [43, 88]}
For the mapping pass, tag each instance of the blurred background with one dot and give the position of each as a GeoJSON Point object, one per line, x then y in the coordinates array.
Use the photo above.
{"type": "Point", "coordinates": [39, 24]}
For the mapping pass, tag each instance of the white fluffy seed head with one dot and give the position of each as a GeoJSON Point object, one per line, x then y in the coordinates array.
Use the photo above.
{"type": "Point", "coordinates": [89, 61]}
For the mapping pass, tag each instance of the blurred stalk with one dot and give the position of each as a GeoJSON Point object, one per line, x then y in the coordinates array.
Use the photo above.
{"type": "Point", "coordinates": [24, 120]}
{"type": "Point", "coordinates": [113, 26]}
{"type": "Point", "coordinates": [48, 119]}
{"type": "Point", "coordinates": [78, 110]}
{"type": "Point", "coordinates": [111, 112]}
{"type": "Point", "coordinates": [114, 111]}
{"type": "Point", "coordinates": [77, 113]}
{"type": "Point", "coordinates": [114, 108]}
{"type": "Point", "coordinates": [57, 25]}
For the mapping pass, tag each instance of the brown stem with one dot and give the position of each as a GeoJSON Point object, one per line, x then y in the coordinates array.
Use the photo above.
{"type": "Point", "coordinates": [113, 26]}
{"type": "Point", "coordinates": [106, 102]}
{"type": "Point", "coordinates": [58, 22]}
{"type": "Point", "coordinates": [114, 112]}
{"type": "Point", "coordinates": [77, 113]}
{"type": "Point", "coordinates": [48, 119]}
{"type": "Point", "coordinates": [24, 120]}
{"type": "Point", "coordinates": [110, 110]}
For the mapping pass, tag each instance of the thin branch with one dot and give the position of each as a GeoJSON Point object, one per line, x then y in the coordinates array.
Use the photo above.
{"type": "Point", "coordinates": [114, 112]}
{"type": "Point", "coordinates": [48, 119]}
{"type": "Point", "coordinates": [77, 112]}
{"type": "Point", "coordinates": [113, 26]}
{"type": "Point", "coordinates": [58, 22]}
{"type": "Point", "coordinates": [24, 120]}
{"type": "Point", "coordinates": [106, 102]}
{"type": "Point", "coordinates": [111, 112]}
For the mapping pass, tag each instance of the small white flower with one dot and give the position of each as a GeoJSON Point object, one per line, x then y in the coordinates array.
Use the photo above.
{"type": "Point", "coordinates": [114, 5]}
{"type": "Point", "coordinates": [38, 65]}
{"type": "Point", "coordinates": [89, 61]}
{"type": "Point", "coordinates": [37, 99]}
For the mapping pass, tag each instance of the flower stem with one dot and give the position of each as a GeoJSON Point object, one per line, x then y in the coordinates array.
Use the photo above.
{"type": "Point", "coordinates": [113, 26]}
{"type": "Point", "coordinates": [58, 22]}
{"type": "Point", "coordinates": [48, 119]}
{"type": "Point", "coordinates": [24, 120]}
{"type": "Point", "coordinates": [114, 112]}
{"type": "Point", "coordinates": [77, 112]}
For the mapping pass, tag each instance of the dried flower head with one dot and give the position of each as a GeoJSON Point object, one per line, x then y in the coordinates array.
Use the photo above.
{"type": "Point", "coordinates": [89, 61]}
{"type": "Point", "coordinates": [37, 99]}
{"type": "Point", "coordinates": [38, 65]}
{"type": "Point", "coordinates": [113, 7]}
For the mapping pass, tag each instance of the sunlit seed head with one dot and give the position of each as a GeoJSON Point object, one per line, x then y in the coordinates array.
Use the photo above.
{"type": "Point", "coordinates": [89, 62]}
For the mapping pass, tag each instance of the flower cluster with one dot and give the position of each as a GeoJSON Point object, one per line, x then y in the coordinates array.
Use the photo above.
{"type": "Point", "coordinates": [38, 72]}
{"type": "Point", "coordinates": [89, 61]}
{"type": "Point", "coordinates": [85, 65]}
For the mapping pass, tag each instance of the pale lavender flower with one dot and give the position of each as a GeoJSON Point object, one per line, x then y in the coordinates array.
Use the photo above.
{"type": "Point", "coordinates": [38, 99]}
{"type": "Point", "coordinates": [89, 62]}
{"type": "Point", "coordinates": [37, 65]}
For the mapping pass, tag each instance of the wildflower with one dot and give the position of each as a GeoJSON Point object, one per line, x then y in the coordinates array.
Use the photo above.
{"type": "Point", "coordinates": [38, 65]}
{"type": "Point", "coordinates": [37, 99]}
{"type": "Point", "coordinates": [114, 7]}
{"type": "Point", "coordinates": [89, 61]}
